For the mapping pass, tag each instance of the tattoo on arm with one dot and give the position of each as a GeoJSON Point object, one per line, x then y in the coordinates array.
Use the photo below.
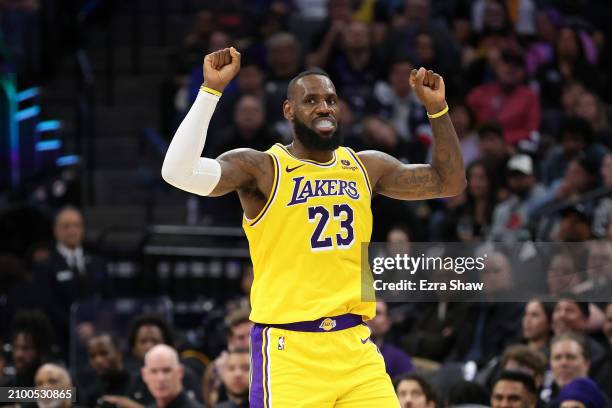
{"type": "Point", "coordinates": [240, 170]}
{"type": "Point", "coordinates": [447, 157]}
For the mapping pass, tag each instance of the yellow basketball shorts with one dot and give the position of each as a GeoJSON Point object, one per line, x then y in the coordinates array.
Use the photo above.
{"type": "Point", "coordinates": [331, 366]}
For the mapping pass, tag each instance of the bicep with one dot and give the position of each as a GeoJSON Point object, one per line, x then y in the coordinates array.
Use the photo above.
{"type": "Point", "coordinates": [240, 169]}
{"type": "Point", "coordinates": [394, 179]}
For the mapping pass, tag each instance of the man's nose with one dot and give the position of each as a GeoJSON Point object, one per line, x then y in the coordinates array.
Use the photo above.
{"type": "Point", "coordinates": [324, 107]}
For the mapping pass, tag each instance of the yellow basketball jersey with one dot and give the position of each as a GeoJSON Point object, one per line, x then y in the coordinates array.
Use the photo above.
{"type": "Point", "coordinates": [306, 242]}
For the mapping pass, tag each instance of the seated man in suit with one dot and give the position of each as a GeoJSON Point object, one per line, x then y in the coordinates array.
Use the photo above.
{"type": "Point", "coordinates": [71, 274]}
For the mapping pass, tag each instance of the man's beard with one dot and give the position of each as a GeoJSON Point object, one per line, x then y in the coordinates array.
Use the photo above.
{"type": "Point", "coordinates": [314, 141]}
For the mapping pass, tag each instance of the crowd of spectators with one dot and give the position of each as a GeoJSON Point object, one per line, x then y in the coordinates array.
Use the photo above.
{"type": "Point", "coordinates": [529, 92]}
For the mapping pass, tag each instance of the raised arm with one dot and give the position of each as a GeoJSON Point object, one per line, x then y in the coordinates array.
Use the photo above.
{"type": "Point", "coordinates": [445, 176]}
{"type": "Point", "coordinates": [235, 170]}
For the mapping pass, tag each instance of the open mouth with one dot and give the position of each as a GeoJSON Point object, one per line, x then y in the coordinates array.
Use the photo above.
{"type": "Point", "coordinates": [324, 124]}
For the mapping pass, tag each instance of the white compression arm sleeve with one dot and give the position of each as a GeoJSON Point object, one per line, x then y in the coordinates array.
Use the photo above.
{"type": "Point", "coordinates": [183, 167]}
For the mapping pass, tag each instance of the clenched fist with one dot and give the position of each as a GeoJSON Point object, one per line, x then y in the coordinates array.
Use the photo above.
{"type": "Point", "coordinates": [220, 67]}
{"type": "Point", "coordinates": [429, 88]}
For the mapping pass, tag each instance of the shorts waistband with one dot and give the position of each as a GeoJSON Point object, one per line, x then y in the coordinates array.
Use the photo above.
{"type": "Point", "coordinates": [324, 324]}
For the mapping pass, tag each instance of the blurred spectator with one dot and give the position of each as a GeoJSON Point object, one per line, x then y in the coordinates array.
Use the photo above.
{"type": "Point", "coordinates": [236, 379]}
{"type": "Point", "coordinates": [471, 221]}
{"type": "Point", "coordinates": [238, 328]}
{"type": "Point", "coordinates": [494, 151]}
{"type": "Point", "coordinates": [569, 359]}
{"type": "Point", "coordinates": [518, 357]}
{"type": "Point", "coordinates": [250, 81]}
{"type": "Point", "coordinates": [562, 274]}
{"type": "Point", "coordinates": [571, 315]}
{"type": "Point", "coordinates": [395, 101]}
{"type": "Point", "coordinates": [248, 128]}
{"type": "Point", "coordinates": [147, 331]}
{"type": "Point", "coordinates": [496, 324]}
{"type": "Point", "coordinates": [514, 389]}
{"type": "Point", "coordinates": [598, 271]}
{"type": "Point", "coordinates": [378, 134]}
{"type": "Point", "coordinates": [576, 139]}
{"type": "Point", "coordinates": [441, 332]}
{"type": "Point", "coordinates": [541, 51]}
{"type": "Point", "coordinates": [592, 109]}
{"type": "Point", "coordinates": [607, 329]}
{"type": "Point", "coordinates": [510, 216]}
{"type": "Point", "coordinates": [413, 391]}
{"type": "Point", "coordinates": [31, 346]}
{"type": "Point", "coordinates": [575, 225]}
{"type": "Point", "coordinates": [507, 100]}
{"type": "Point", "coordinates": [72, 273]}
{"type": "Point", "coordinates": [537, 325]}
{"type": "Point", "coordinates": [53, 377]}
{"type": "Point", "coordinates": [284, 61]}
{"type": "Point", "coordinates": [397, 361]}
{"type": "Point", "coordinates": [113, 382]}
{"type": "Point", "coordinates": [489, 15]}
{"type": "Point", "coordinates": [355, 67]}
{"type": "Point", "coordinates": [603, 208]}
{"type": "Point", "coordinates": [464, 121]}
{"type": "Point", "coordinates": [163, 374]}
{"type": "Point", "coordinates": [583, 393]}
{"type": "Point", "coordinates": [415, 18]}
{"type": "Point", "coordinates": [569, 64]}
{"type": "Point", "coordinates": [339, 15]}
{"type": "Point", "coordinates": [522, 358]}
{"type": "Point", "coordinates": [468, 394]}
{"type": "Point", "coordinates": [243, 300]}
{"type": "Point", "coordinates": [497, 277]}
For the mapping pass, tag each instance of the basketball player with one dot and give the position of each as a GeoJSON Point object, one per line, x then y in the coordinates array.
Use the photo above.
{"type": "Point", "coordinates": [306, 213]}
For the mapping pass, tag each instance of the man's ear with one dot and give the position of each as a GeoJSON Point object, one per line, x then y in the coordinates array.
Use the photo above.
{"type": "Point", "coordinates": [288, 110]}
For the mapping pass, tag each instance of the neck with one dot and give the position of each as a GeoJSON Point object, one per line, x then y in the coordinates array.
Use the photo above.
{"type": "Point", "coordinates": [379, 340]}
{"type": "Point", "coordinates": [236, 399]}
{"type": "Point", "coordinates": [301, 152]}
{"type": "Point", "coordinates": [538, 344]}
{"type": "Point", "coordinates": [164, 402]}
{"type": "Point", "coordinates": [359, 58]}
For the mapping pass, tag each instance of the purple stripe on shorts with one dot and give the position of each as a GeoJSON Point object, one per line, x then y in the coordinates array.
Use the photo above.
{"type": "Point", "coordinates": [267, 376]}
{"type": "Point", "coordinates": [256, 393]}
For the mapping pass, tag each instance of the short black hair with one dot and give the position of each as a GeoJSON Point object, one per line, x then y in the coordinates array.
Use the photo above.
{"type": "Point", "coordinates": [577, 126]}
{"type": "Point", "coordinates": [428, 390]}
{"type": "Point", "coordinates": [517, 376]}
{"type": "Point", "coordinates": [113, 339]}
{"type": "Point", "coordinates": [34, 323]}
{"type": "Point", "coordinates": [308, 72]}
{"type": "Point", "coordinates": [467, 392]}
{"type": "Point", "coordinates": [572, 297]}
{"type": "Point", "coordinates": [491, 127]}
{"type": "Point", "coordinates": [150, 320]}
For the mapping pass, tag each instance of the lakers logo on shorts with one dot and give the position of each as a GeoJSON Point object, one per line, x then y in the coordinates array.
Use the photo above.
{"type": "Point", "coordinates": [327, 324]}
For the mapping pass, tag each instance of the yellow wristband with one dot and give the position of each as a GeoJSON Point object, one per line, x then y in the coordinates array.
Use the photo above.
{"type": "Point", "coordinates": [437, 115]}
{"type": "Point", "coordinates": [210, 90]}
